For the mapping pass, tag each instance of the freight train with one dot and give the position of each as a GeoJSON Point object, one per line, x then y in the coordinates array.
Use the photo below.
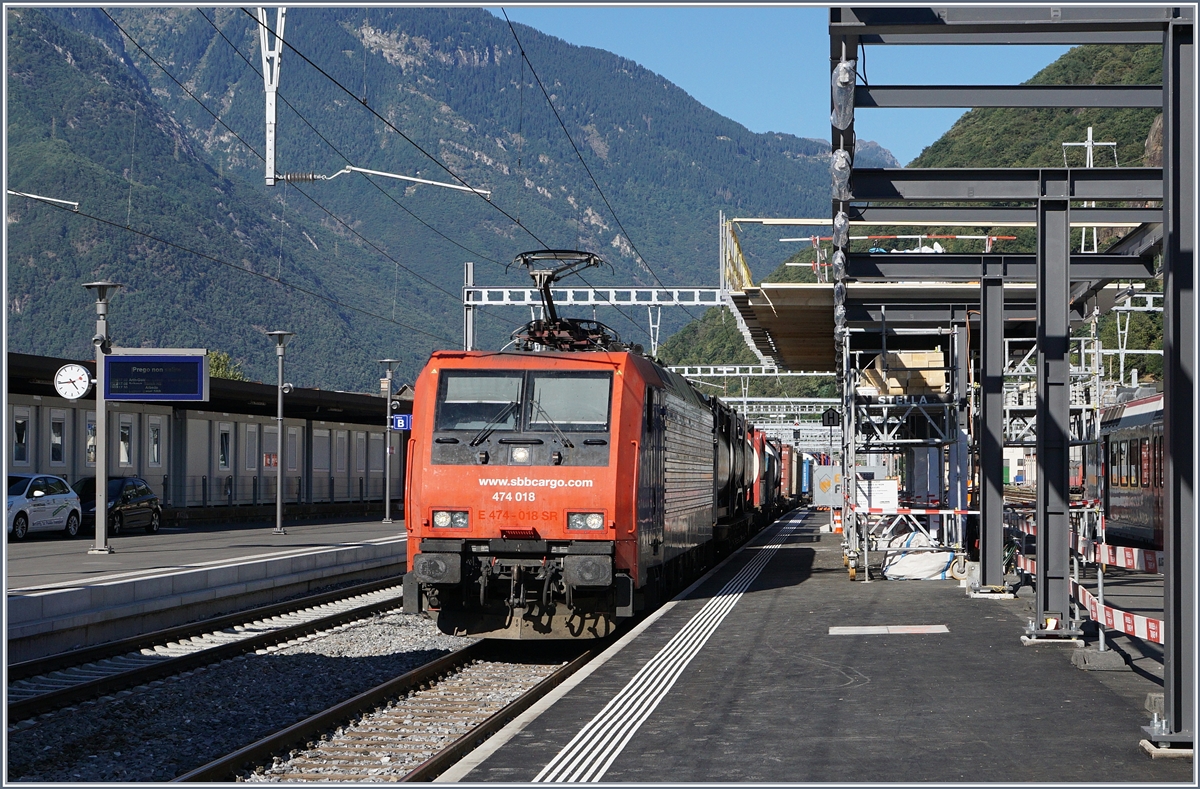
{"type": "Point", "coordinates": [557, 489]}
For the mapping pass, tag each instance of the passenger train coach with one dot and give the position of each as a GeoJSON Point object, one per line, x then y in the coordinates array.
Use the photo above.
{"type": "Point", "coordinates": [551, 495]}
{"type": "Point", "coordinates": [1132, 449]}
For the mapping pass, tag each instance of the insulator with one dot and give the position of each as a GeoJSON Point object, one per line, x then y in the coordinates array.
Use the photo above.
{"type": "Point", "coordinates": [299, 178]}
{"type": "Point", "coordinates": [841, 230]}
{"type": "Point", "coordinates": [839, 265]}
{"type": "Point", "coordinates": [842, 88]}
{"type": "Point", "coordinates": [840, 169]}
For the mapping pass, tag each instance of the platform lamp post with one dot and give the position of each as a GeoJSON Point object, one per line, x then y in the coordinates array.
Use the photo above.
{"type": "Point", "coordinates": [281, 338]}
{"type": "Point", "coordinates": [103, 344]}
{"type": "Point", "coordinates": [385, 386]}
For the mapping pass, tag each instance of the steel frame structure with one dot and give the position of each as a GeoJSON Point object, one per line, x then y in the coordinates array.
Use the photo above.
{"type": "Point", "coordinates": [1056, 198]}
{"type": "Point", "coordinates": [653, 299]}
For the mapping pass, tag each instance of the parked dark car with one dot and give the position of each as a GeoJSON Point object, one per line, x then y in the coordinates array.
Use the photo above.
{"type": "Point", "coordinates": [131, 504]}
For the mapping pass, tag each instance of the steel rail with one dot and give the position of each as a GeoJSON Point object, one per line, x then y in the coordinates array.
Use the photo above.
{"type": "Point", "coordinates": [57, 699]}
{"type": "Point", "coordinates": [260, 753]}
{"type": "Point", "coordinates": [227, 767]}
{"type": "Point", "coordinates": [78, 657]}
{"type": "Point", "coordinates": [450, 755]}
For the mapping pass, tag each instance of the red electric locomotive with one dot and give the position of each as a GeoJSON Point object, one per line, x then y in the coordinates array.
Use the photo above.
{"type": "Point", "coordinates": [553, 493]}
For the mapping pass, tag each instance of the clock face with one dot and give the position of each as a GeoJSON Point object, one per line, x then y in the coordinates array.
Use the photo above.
{"type": "Point", "coordinates": [72, 381]}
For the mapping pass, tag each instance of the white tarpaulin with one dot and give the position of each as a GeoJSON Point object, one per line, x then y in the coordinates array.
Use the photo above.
{"type": "Point", "coordinates": [919, 565]}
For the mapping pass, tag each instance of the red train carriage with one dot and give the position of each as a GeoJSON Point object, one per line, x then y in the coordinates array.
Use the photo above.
{"type": "Point", "coordinates": [552, 494]}
{"type": "Point", "coordinates": [1132, 451]}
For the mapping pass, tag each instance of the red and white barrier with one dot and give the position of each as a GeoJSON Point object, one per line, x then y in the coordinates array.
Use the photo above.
{"type": "Point", "coordinates": [1137, 625]}
{"type": "Point", "coordinates": [1143, 627]}
{"type": "Point", "coordinates": [1138, 559]}
{"type": "Point", "coordinates": [1128, 558]}
{"type": "Point", "coordinates": [909, 511]}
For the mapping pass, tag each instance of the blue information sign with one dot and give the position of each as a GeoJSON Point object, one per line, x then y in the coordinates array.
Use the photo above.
{"type": "Point", "coordinates": [401, 421]}
{"type": "Point", "coordinates": [155, 377]}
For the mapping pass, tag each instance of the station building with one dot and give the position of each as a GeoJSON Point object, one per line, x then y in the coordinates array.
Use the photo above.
{"type": "Point", "coordinates": [220, 453]}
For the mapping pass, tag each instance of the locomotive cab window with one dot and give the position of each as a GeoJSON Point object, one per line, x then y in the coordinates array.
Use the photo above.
{"type": "Point", "coordinates": [570, 402]}
{"type": "Point", "coordinates": [474, 401]}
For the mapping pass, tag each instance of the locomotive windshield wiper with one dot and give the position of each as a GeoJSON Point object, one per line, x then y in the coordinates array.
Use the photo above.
{"type": "Point", "coordinates": [492, 424]}
{"type": "Point", "coordinates": [566, 442]}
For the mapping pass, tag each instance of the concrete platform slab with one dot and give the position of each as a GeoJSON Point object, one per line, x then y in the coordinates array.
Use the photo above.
{"type": "Point", "coordinates": [58, 598]}
{"type": "Point", "coordinates": [749, 685]}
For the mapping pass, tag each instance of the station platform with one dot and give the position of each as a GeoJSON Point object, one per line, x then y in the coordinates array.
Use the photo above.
{"type": "Point", "coordinates": [61, 597]}
{"type": "Point", "coordinates": [776, 668]}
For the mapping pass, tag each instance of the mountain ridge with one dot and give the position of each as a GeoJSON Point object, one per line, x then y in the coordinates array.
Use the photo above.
{"type": "Point", "coordinates": [455, 84]}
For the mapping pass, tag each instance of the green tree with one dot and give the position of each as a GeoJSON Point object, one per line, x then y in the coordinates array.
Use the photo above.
{"type": "Point", "coordinates": [222, 365]}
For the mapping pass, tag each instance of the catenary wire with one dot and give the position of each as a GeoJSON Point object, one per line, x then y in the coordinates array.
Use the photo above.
{"type": "Point", "coordinates": [640, 257]}
{"type": "Point", "coordinates": [432, 158]}
{"type": "Point", "coordinates": [326, 140]}
{"type": "Point", "coordinates": [236, 267]}
{"type": "Point", "coordinates": [310, 198]}
{"type": "Point", "coordinates": [404, 136]}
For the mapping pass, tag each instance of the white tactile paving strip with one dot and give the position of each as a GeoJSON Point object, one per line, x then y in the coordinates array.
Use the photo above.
{"type": "Point", "coordinates": [588, 756]}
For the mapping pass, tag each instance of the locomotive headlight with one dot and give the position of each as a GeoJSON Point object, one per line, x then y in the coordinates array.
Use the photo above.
{"type": "Point", "coordinates": [448, 519]}
{"type": "Point", "coordinates": [589, 521]}
{"type": "Point", "coordinates": [520, 454]}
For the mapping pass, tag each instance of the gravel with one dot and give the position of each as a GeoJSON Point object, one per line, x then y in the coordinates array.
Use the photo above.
{"type": "Point", "coordinates": [168, 727]}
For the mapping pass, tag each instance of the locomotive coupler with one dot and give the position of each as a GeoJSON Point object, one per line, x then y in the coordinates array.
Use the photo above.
{"type": "Point", "coordinates": [485, 572]}
{"type": "Point", "coordinates": [551, 576]}
{"type": "Point", "coordinates": [516, 595]}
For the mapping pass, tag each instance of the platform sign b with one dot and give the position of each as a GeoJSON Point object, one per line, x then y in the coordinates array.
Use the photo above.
{"type": "Point", "coordinates": [401, 421]}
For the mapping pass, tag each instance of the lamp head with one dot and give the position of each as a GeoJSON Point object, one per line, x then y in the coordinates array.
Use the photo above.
{"type": "Point", "coordinates": [102, 288]}
{"type": "Point", "coordinates": [280, 337]}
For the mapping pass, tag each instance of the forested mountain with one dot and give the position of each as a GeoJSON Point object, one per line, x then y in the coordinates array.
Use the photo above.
{"type": "Point", "coordinates": [152, 119]}
{"type": "Point", "coordinates": [1010, 138]}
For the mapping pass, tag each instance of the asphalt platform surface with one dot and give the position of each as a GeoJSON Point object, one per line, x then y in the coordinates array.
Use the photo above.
{"type": "Point", "coordinates": [46, 559]}
{"type": "Point", "coordinates": [770, 695]}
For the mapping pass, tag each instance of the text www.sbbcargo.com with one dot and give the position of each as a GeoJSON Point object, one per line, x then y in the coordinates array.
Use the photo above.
{"type": "Point", "coordinates": [533, 482]}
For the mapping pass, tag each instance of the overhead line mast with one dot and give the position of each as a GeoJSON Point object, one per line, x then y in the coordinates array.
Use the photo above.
{"type": "Point", "coordinates": [271, 59]}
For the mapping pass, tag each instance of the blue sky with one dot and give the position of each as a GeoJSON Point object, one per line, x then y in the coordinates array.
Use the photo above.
{"type": "Point", "coordinates": [768, 68]}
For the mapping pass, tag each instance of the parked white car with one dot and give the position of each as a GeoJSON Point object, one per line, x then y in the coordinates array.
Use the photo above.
{"type": "Point", "coordinates": [40, 502]}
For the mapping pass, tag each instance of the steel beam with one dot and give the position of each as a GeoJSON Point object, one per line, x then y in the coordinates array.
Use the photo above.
{"type": "Point", "coordinates": [487, 296]}
{"type": "Point", "coordinates": [1101, 183]}
{"type": "Point", "coordinates": [1179, 401]}
{"type": "Point", "coordinates": [994, 216]}
{"type": "Point", "coordinates": [929, 314]}
{"type": "Point", "coordinates": [968, 96]}
{"type": "Point", "coordinates": [933, 267]}
{"type": "Point", "coordinates": [1053, 422]}
{"type": "Point", "coordinates": [991, 432]}
{"type": "Point", "coordinates": [1064, 24]}
{"type": "Point", "coordinates": [742, 370]}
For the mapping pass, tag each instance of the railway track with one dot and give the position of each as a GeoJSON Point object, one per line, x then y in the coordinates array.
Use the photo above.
{"type": "Point", "coordinates": [411, 728]}
{"type": "Point", "coordinates": [47, 684]}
